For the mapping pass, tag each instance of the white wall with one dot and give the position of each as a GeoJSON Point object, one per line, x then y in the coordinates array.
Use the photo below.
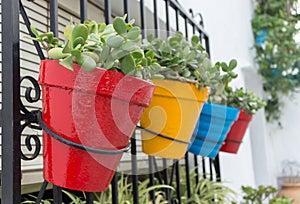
{"type": "Point", "coordinates": [286, 139]}
{"type": "Point", "coordinates": [228, 25]}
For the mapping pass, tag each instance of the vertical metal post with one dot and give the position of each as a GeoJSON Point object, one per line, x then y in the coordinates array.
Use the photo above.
{"type": "Point", "coordinates": [165, 173]}
{"type": "Point", "coordinates": [187, 175]}
{"type": "Point", "coordinates": [210, 169]}
{"type": "Point", "coordinates": [11, 160]}
{"type": "Point", "coordinates": [54, 17]}
{"type": "Point", "coordinates": [204, 167]}
{"type": "Point", "coordinates": [151, 177]}
{"type": "Point", "coordinates": [156, 20]}
{"type": "Point", "coordinates": [90, 198]}
{"type": "Point", "coordinates": [126, 9]}
{"type": "Point", "coordinates": [143, 17]}
{"type": "Point", "coordinates": [57, 195]}
{"type": "Point", "coordinates": [114, 189]}
{"type": "Point", "coordinates": [207, 44]}
{"type": "Point", "coordinates": [107, 12]}
{"type": "Point", "coordinates": [83, 10]}
{"type": "Point", "coordinates": [177, 19]}
{"type": "Point", "coordinates": [178, 187]}
{"type": "Point", "coordinates": [167, 17]}
{"type": "Point", "coordinates": [217, 168]}
{"type": "Point", "coordinates": [186, 28]}
{"type": "Point", "coordinates": [135, 188]}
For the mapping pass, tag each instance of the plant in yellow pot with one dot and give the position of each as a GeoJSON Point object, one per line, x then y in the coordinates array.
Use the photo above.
{"type": "Point", "coordinates": [168, 123]}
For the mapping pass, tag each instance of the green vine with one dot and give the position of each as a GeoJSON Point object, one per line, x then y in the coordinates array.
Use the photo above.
{"type": "Point", "coordinates": [277, 52]}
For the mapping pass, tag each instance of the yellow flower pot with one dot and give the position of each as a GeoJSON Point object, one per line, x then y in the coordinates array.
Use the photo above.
{"type": "Point", "coordinates": [169, 121]}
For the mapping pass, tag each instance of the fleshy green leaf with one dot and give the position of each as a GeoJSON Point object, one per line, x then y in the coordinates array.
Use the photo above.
{"type": "Point", "coordinates": [67, 62]}
{"type": "Point", "coordinates": [78, 41]}
{"type": "Point", "coordinates": [76, 53]}
{"type": "Point", "coordinates": [119, 25]}
{"type": "Point", "coordinates": [56, 53]}
{"type": "Point", "coordinates": [104, 53]}
{"type": "Point", "coordinates": [134, 33]}
{"type": "Point", "coordinates": [137, 55]}
{"type": "Point", "coordinates": [80, 30]}
{"type": "Point", "coordinates": [86, 62]}
{"type": "Point", "coordinates": [34, 30]}
{"type": "Point", "coordinates": [127, 64]}
{"type": "Point", "coordinates": [232, 64]}
{"type": "Point", "coordinates": [115, 41]}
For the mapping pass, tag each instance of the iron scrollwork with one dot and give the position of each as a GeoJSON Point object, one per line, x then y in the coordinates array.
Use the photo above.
{"type": "Point", "coordinates": [29, 118]}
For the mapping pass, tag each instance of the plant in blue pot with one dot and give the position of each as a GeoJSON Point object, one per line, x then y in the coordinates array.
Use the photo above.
{"type": "Point", "coordinates": [216, 118]}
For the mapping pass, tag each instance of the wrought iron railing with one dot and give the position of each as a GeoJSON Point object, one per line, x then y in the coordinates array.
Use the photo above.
{"type": "Point", "coordinates": [16, 117]}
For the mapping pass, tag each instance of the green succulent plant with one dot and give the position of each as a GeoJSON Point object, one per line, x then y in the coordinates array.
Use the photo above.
{"type": "Point", "coordinates": [114, 46]}
{"type": "Point", "coordinates": [245, 100]}
{"type": "Point", "coordinates": [263, 194]}
{"type": "Point", "coordinates": [188, 61]}
{"type": "Point", "coordinates": [278, 54]}
{"type": "Point", "coordinates": [183, 60]}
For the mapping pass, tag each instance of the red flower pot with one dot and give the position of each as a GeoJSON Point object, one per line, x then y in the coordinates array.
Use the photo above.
{"type": "Point", "coordinates": [98, 109]}
{"type": "Point", "coordinates": [235, 135]}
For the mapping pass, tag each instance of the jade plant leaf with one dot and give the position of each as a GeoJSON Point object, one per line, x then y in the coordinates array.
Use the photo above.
{"type": "Point", "coordinates": [86, 62]}
{"type": "Point", "coordinates": [56, 53]}
{"type": "Point", "coordinates": [119, 25]}
{"type": "Point", "coordinates": [78, 41]}
{"type": "Point", "coordinates": [80, 30]}
{"type": "Point", "coordinates": [115, 41]}
{"type": "Point", "coordinates": [127, 64]}
{"type": "Point", "coordinates": [134, 33]}
{"type": "Point", "coordinates": [67, 62]}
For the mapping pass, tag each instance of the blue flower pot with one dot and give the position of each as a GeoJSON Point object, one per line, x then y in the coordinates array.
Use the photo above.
{"type": "Point", "coordinates": [211, 130]}
{"type": "Point", "coordinates": [261, 37]}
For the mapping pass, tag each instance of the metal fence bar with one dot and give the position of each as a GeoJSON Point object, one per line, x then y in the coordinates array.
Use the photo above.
{"type": "Point", "coordinates": [107, 11]}
{"type": "Point", "coordinates": [90, 198]}
{"type": "Point", "coordinates": [156, 20]}
{"type": "Point", "coordinates": [217, 168]}
{"type": "Point", "coordinates": [57, 195]}
{"type": "Point", "coordinates": [165, 177]}
{"type": "Point", "coordinates": [178, 184]}
{"type": "Point", "coordinates": [114, 189]}
{"type": "Point", "coordinates": [210, 170]}
{"type": "Point", "coordinates": [151, 177]}
{"type": "Point", "coordinates": [126, 9]}
{"type": "Point", "coordinates": [167, 4]}
{"type": "Point", "coordinates": [143, 17]}
{"type": "Point", "coordinates": [177, 19]}
{"type": "Point", "coordinates": [203, 167]}
{"type": "Point", "coordinates": [83, 10]}
{"type": "Point", "coordinates": [11, 158]}
{"type": "Point", "coordinates": [54, 17]}
{"type": "Point", "coordinates": [174, 4]}
{"type": "Point", "coordinates": [186, 28]}
{"type": "Point", "coordinates": [187, 175]}
{"type": "Point", "coordinates": [207, 44]}
{"type": "Point", "coordinates": [134, 175]}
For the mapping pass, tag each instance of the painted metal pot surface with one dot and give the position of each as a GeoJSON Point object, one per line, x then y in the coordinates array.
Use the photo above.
{"type": "Point", "coordinates": [99, 109]}
{"type": "Point", "coordinates": [211, 130]}
{"type": "Point", "coordinates": [173, 112]}
{"type": "Point", "coordinates": [236, 134]}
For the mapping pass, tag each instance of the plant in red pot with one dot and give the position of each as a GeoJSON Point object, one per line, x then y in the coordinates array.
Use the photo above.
{"type": "Point", "coordinates": [249, 103]}
{"type": "Point", "coordinates": [89, 113]}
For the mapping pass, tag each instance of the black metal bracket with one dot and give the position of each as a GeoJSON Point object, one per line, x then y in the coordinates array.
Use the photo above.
{"type": "Point", "coordinates": [41, 123]}
{"type": "Point", "coordinates": [163, 136]}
